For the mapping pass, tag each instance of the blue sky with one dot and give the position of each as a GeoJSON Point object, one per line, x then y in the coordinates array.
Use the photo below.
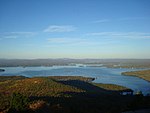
{"type": "Point", "coordinates": [74, 29]}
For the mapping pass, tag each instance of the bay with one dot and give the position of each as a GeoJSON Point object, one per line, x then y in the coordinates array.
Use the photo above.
{"type": "Point", "coordinates": [102, 75]}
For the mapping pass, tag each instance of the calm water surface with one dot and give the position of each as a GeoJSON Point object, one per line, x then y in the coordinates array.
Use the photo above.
{"type": "Point", "coordinates": [102, 75]}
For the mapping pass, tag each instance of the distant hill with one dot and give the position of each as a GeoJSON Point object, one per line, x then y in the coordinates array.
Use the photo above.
{"type": "Point", "coordinates": [124, 63]}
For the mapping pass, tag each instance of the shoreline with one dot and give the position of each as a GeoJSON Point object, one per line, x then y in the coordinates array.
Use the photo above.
{"type": "Point", "coordinates": [143, 74]}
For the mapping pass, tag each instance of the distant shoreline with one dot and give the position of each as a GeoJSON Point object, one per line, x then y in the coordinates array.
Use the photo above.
{"type": "Point", "coordinates": [143, 74]}
{"type": "Point", "coordinates": [110, 63]}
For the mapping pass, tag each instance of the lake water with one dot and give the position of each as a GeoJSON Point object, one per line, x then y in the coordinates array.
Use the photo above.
{"type": "Point", "coordinates": [102, 75]}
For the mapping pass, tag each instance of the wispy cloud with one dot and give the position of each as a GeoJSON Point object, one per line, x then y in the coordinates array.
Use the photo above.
{"type": "Point", "coordinates": [95, 38]}
{"type": "Point", "coordinates": [120, 19]}
{"type": "Point", "coordinates": [133, 18]}
{"type": "Point", "coordinates": [14, 35]}
{"type": "Point", "coordinates": [82, 42]}
{"type": "Point", "coordinates": [101, 21]}
{"type": "Point", "coordinates": [58, 28]}
{"type": "Point", "coordinates": [66, 40]}
{"type": "Point", "coordinates": [78, 41]}
{"type": "Point", "coordinates": [133, 35]}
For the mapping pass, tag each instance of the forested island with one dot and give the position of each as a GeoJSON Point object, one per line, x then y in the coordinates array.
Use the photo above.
{"type": "Point", "coordinates": [65, 94]}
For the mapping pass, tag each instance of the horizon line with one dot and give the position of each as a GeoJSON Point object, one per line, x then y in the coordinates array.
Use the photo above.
{"type": "Point", "coordinates": [75, 58]}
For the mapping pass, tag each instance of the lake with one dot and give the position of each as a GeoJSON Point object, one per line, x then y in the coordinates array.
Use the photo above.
{"type": "Point", "coordinates": [102, 75]}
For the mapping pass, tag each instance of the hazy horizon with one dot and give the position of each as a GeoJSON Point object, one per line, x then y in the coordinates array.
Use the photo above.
{"type": "Point", "coordinates": [76, 29]}
{"type": "Point", "coordinates": [74, 58]}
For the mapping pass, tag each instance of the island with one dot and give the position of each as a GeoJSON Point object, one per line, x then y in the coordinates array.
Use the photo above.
{"type": "Point", "coordinates": [2, 70]}
{"type": "Point", "coordinates": [144, 74]}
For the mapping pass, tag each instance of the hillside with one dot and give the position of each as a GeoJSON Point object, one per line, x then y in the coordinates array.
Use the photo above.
{"type": "Point", "coordinates": [68, 94]}
{"type": "Point", "coordinates": [144, 74]}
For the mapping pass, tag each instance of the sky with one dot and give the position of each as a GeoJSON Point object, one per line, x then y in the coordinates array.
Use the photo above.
{"type": "Point", "coordinates": [100, 29]}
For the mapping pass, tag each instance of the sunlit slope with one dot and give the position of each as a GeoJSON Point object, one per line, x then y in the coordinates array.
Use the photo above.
{"type": "Point", "coordinates": [144, 74]}
{"type": "Point", "coordinates": [36, 87]}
